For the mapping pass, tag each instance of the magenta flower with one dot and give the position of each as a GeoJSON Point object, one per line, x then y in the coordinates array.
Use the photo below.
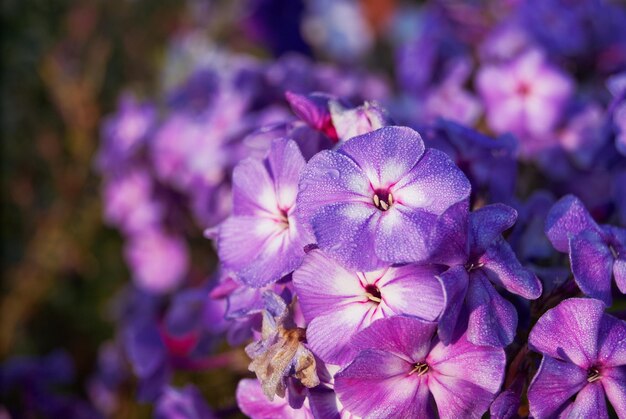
{"type": "Point", "coordinates": [525, 96]}
{"type": "Point", "coordinates": [401, 366]}
{"type": "Point", "coordinates": [596, 253]}
{"type": "Point", "coordinates": [337, 303]}
{"type": "Point", "coordinates": [262, 241]}
{"type": "Point", "coordinates": [374, 201]}
{"type": "Point", "coordinates": [584, 361]}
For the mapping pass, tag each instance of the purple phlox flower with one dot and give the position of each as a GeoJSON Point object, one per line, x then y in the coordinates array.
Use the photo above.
{"type": "Point", "coordinates": [129, 201]}
{"type": "Point", "coordinates": [488, 163]}
{"type": "Point", "coordinates": [490, 262]}
{"type": "Point", "coordinates": [525, 96]}
{"type": "Point", "coordinates": [584, 361]}
{"type": "Point", "coordinates": [157, 259]}
{"type": "Point", "coordinates": [263, 241]}
{"type": "Point", "coordinates": [124, 133]}
{"type": "Point", "coordinates": [527, 236]}
{"type": "Point", "coordinates": [337, 303]}
{"type": "Point", "coordinates": [401, 367]}
{"type": "Point", "coordinates": [182, 403]}
{"type": "Point", "coordinates": [450, 100]}
{"type": "Point", "coordinates": [374, 200]}
{"type": "Point", "coordinates": [352, 121]}
{"type": "Point", "coordinates": [597, 253]}
{"type": "Point", "coordinates": [281, 353]}
{"type": "Point", "coordinates": [197, 93]}
{"type": "Point", "coordinates": [253, 402]}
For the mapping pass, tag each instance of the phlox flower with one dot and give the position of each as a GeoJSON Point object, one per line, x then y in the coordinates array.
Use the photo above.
{"type": "Point", "coordinates": [375, 199]}
{"type": "Point", "coordinates": [401, 366]}
{"type": "Point", "coordinates": [338, 303]}
{"type": "Point", "coordinates": [262, 241]}
{"type": "Point", "coordinates": [584, 361]}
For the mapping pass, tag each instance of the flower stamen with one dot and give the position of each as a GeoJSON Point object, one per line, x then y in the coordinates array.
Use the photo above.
{"type": "Point", "coordinates": [593, 375]}
{"type": "Point", "coordinates": [383, 200]}
{"type": "Point", "coordinates": [420, 368]}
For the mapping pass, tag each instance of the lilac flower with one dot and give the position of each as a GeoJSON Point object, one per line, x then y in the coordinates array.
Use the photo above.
{"type": "Point", "coordinates": [184, 403]}
{"type": "Point", "coordinates": [489, 262]}
{"type": "Point", "coordinates": [584, 361]}
{"type": "Point", "coordinates": [401, 366]}
{"type": "Point", "coordinates": [374, 201]}
{"type": "Point", "coordinates": [158, 260]}
{"type": "Point", "coordinates": [525, 96]}
{"type": "Point", "coordinates": [253, 403]}
{"type": "Point", "coordinates": [596, 252]}
{"type": "Point", "coordinates": [262, 241]}
{"type": "Point", "coordinates": [338, 303]}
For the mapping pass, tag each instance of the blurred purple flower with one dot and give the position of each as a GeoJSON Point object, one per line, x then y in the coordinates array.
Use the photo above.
{"type": "Point", "coordinates": [183, 403]}
{"type": "Point", "coordinates": [584, 361]}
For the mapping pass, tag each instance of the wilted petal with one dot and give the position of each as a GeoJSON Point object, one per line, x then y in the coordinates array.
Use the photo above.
{"type": "Point", "coordinates": [569, 331]}
{"type": "Point", "coordinates": [492, 319]}
{"type": "Point", "coordinates": [502, 267]}
{"type": "Point", "coordinates": [592, 265]}
{"type": "Point", "coordinates": [554, 384]}
{"type": "Point", "coordinates": [567, 218]}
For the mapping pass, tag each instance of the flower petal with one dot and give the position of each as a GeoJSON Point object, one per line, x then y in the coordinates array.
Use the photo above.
{"type": "Point", "coordinates": [454, 282]}
{"type": "Point", "coordinates": [253, 403]}
{"type": "Point", "coordinates": [567, 218]}
{"type": "Point", "coordinates": [386, 154]}
{"type": "Point", "coordinates": [589, 403]}
{"type": "Point", "coordinates": [487, 224]}
{"type": "Point", "coordinates": [253, 189]}
{"type": "Point", "coordinates": [402, 235]}
{"type": "Point", "coordinates": [285, 164]}
{"type": "Point", "coordinates": [569, 331]}
{"type": "Point", "coordinates": [612, 341]}
{"type": "Point", "coordinates": [614, 383]}
{"type": "Point", "coordinates": [619, 271]}
{"type": "Point", "coordinates": [492, 319]}
{"type": "Point", "coordinates": [457, 398]}
{"type": "Point", "coordinates": [504, 269]}
{"type": "Point", "coordinates": [553, 385]}
{"type": "Point", "coordinates": [592, 265]}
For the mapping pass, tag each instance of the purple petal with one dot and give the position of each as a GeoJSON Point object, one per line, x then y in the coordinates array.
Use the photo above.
{"type": "Point", "coordinates": [377, 384]}
{"type": "Point", "coordinates": [322, 285]}
{"type": "Point", "coordinates": [185, 403]}
{"type": "Point", "coordinates": [487, 224]}
{"type": "Point", "coordinates": [259, 249]}
{"type": "Point", "coordinates": [449, 239]}
{"type": "Point", "coordinates": [285, 164]}
{"type": "Point", "coordinates": [457, 398]}
{"type": "Point", "coordinates": [502, 267]}
{"type": "Point", "coordinates": [406, 337]}
{"type": "Point", "coordinates": [253, 403]}
{"type": "Point", "coordinates": [567, 218]}
{"type": "Point", "coordinates": [327, 179]}
{"type": "Point", "coordinates": [454, 282]}
{"type": "Point", "coordinates": [614, 383]}
{"type": "Point", "coordinates": [433, 185]}
{"type": "Point", "coordinates": [313, 109]}
{"type": "Point", "coordinates": [412, 290]}
{"type": "Point", "coordinates": [253, 189]}
{"type": "Point", "coordinates": [402, 235]}
{"type": "Point", "coordinates": [482, 366]}
{"type": "Point", "coordinates": [492, 319]}
{"type": "Point", "coordinates": [506, 405]}
{"type": "Point", "coordinates": [612, 342]}
{"type": "Point", "coordinates": [589, 403]}
{"type": "Point", "coordinates": [145, 348]}
{"type": "Point", "coordinates": [385, 155]}
{"type": "Point", "coordinates": [347, 232]}
{"type": "Point", "coordinates": [553, 385]}
{"type": "Point", "coordinates": [324, 404]}
{"type": "Point", "coordinates": [569, 331]}
{"type": "Point", "coordinates": [592, 265]}
{"type": "Point", "coordinates": [619, 271]}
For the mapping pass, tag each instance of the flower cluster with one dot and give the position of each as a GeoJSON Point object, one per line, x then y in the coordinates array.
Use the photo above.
{"type": "Point", "coordinates": [381, 248]}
